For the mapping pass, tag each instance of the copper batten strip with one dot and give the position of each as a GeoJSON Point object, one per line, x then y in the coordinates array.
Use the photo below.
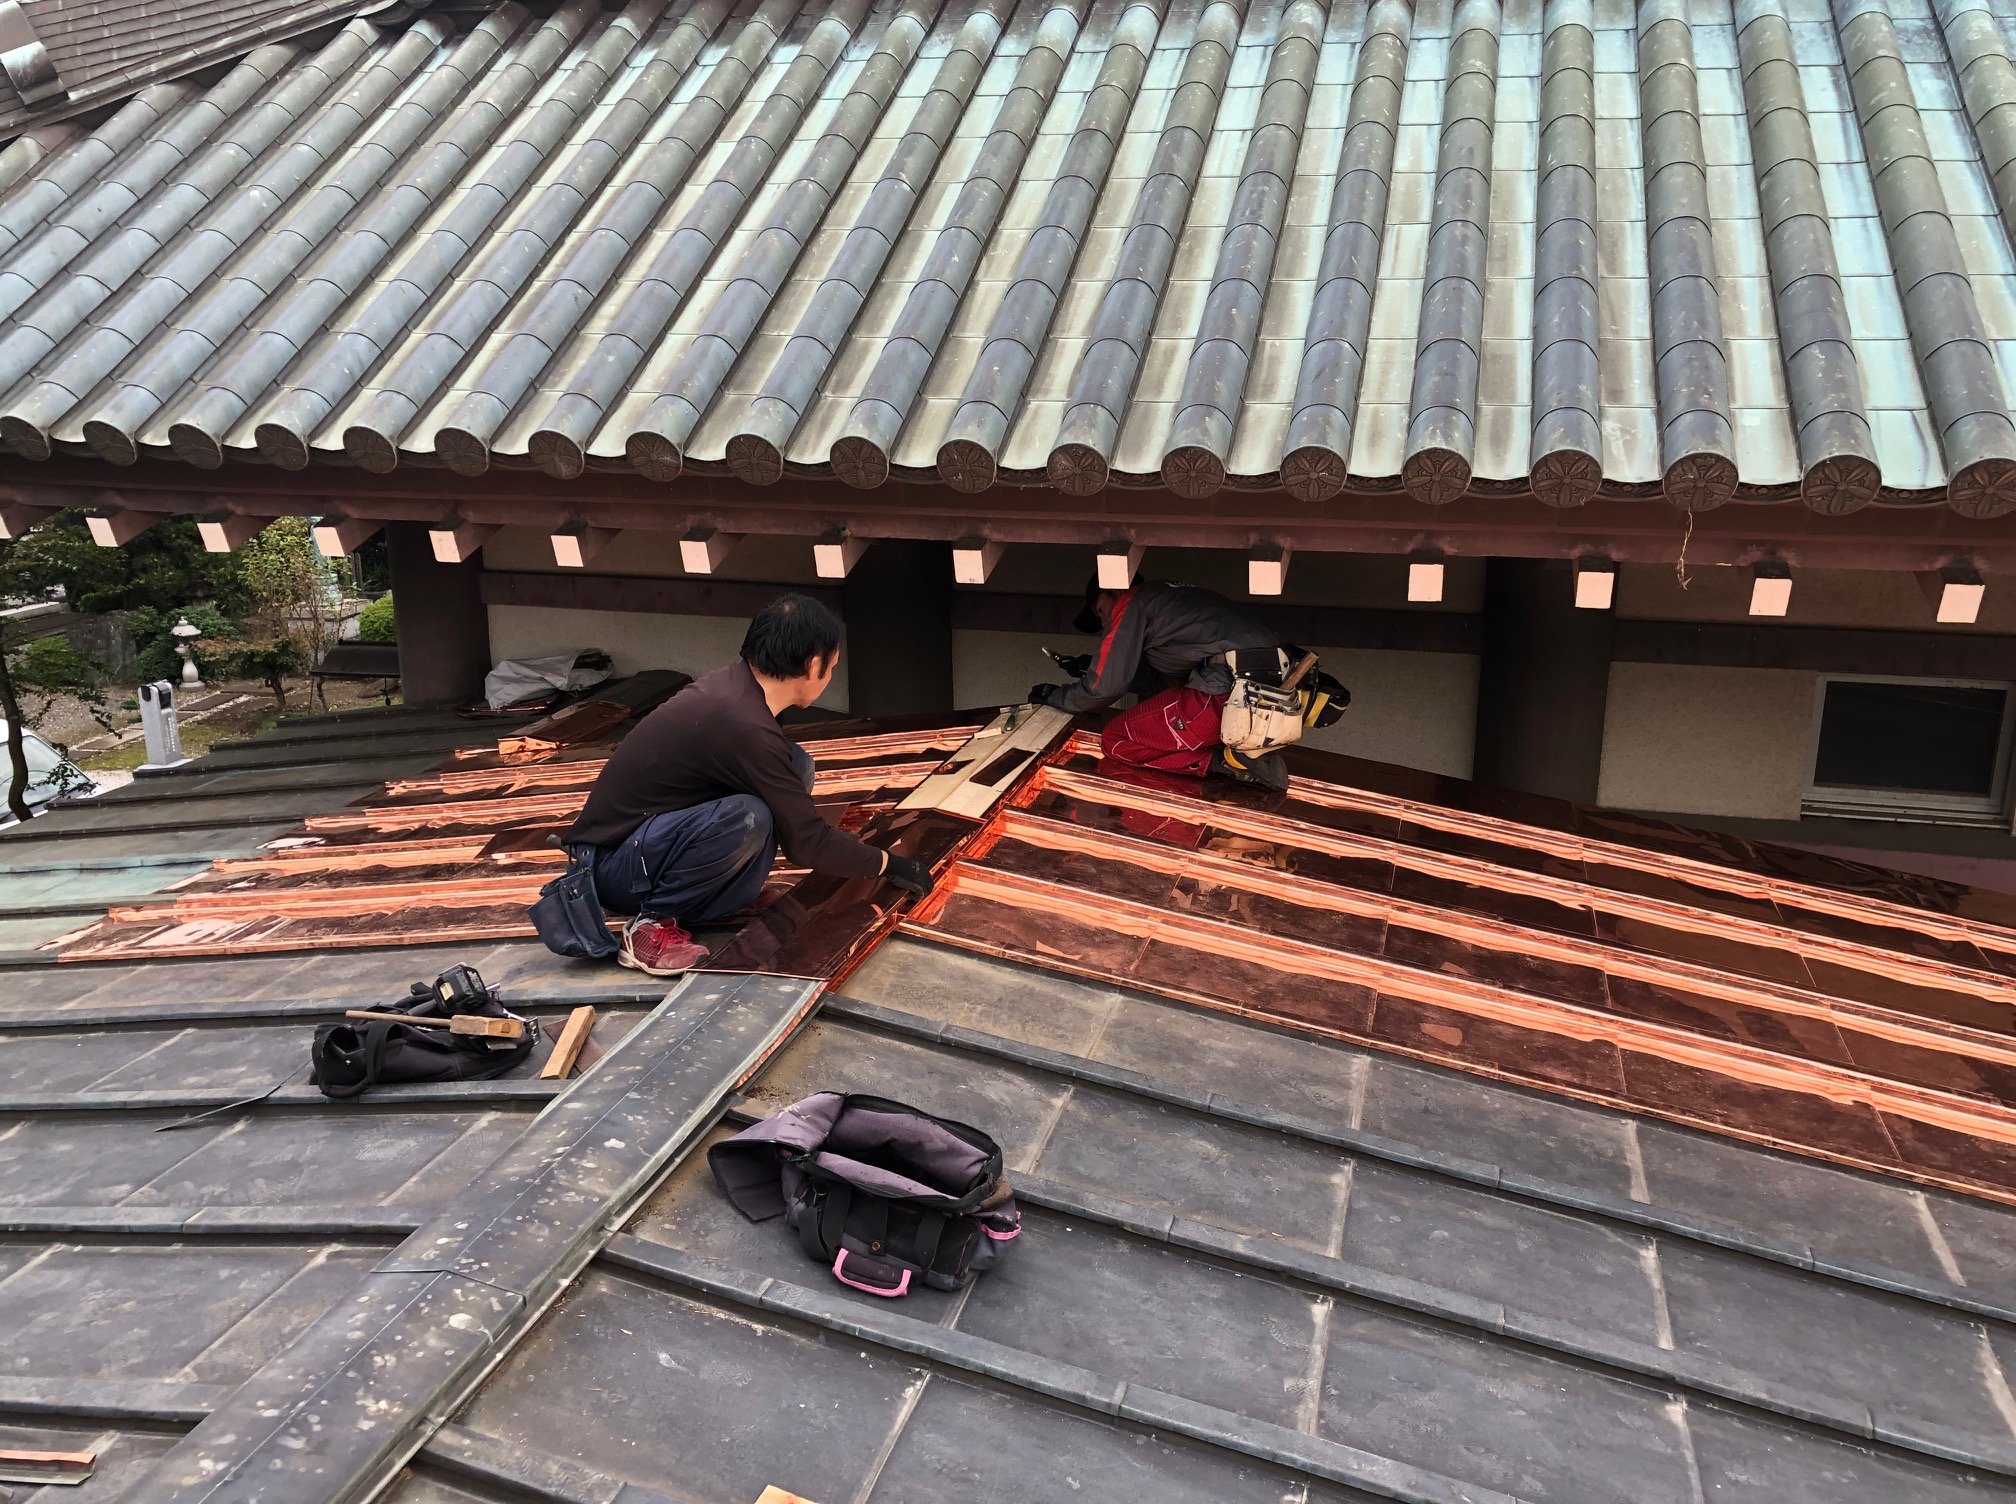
{"type": "Point", "coordinates": [1663, 864]}
{"type": "Point", "coordinates": [1809, 1107]}
{"type": "Point", "coordinates": [1489, 876]}
{"type": "Point", "coordinates": [1930, 1033]}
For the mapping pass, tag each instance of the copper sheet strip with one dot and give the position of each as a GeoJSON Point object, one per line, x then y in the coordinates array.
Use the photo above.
{"type": "Point", "coordinates": [1724, 876]}
{"type": "Point", "coordinates": [506, 885]}
{"type": "Point", "coordinates": [1478, 873]}
{"type": "Point", "coordinates": [1584, 848]}
{"type": "Point", "coordinates": [1300, 957]}
{"type": "Point", "coordinates": [562, 806]}
{"type": "Point", "coordinates": [1038, 830]}
{"type": "Point", "coordinates": [1966, 1048]}
{"type": "Point", "coordinates": [581, 773]}
{"type": "Point", "coordinates": [314, 855]}
{"type": "Point", "coordinates": [232, 936]}
{"type": "Point", "coordinates": [1296, 963]}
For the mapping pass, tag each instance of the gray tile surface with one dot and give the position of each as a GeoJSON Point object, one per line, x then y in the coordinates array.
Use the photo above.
{"type": "Point", "coordinates": [1462, 1238]}
{"type": "Point", "coordinates": [1536, 1428]}
{"type": "Point", "coordinates": [575, 269]}
{"type": "Point", "coordinates": [693, 1398]}
{"type": "Point", "coordinates": [1150, 1315]}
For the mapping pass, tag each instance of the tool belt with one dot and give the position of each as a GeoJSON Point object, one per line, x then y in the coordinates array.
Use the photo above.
{"type": "Point", "coordinates": [1264, 712]}
{"type": "Point", "coordinates": [351, 1058]}
{"type": "Point", "coordinates": [1260, 715]}
{"type": "Point", "coordinates": [876, 1191]}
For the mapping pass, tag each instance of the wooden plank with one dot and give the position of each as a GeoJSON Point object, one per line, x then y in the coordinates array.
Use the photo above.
{"type": "Point", "coordinates": [775, 1495]}
{"type": "Point", "coordinates": [474, 1025]}
{"type": "Point", "coordinates": [567, 1048]}
{"type": "Point", "coordinates": [975, 777]}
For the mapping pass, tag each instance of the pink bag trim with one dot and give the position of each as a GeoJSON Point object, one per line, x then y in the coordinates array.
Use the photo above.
{"type": "Point", "coordinates": [902, 1288]}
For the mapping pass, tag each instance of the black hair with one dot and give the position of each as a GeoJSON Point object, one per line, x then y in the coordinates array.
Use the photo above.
{"type": "Point", "coordinates": [1088, 620]}
{"type": "Point", "coordinates": [787, 632]}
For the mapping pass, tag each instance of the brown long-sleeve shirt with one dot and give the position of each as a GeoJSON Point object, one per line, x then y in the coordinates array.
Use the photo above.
{"type": "Point", "coordinates": [714, 738]}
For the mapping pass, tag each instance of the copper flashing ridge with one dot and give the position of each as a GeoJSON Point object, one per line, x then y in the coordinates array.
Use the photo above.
{"type": "Point", "coordinates": [1870, 1020]}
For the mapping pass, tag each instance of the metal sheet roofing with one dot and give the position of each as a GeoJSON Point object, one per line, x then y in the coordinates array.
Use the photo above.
{"type": "Point", "coordinates": [1260, 1261]}
{"type": "Point", "coordinates": [1560, 246]}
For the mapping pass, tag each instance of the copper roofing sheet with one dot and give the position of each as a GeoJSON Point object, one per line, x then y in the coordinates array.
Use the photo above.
{"type": "Point", "coordinates": [1564, 245]}
{"type": "Point", "coordinates": [456, 854]}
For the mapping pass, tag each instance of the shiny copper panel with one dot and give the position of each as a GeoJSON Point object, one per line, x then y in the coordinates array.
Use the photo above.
{"type": "Point", "coordinates": [462, 846]}
{"type": "Point", "coordinates": [1751, 947]}
{"type": "Point", "coordinates": [1786, 1048]}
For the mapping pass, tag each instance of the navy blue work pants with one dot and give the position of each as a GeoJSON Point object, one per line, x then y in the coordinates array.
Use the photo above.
{"type": "Point", "coordinates": [696, 864]}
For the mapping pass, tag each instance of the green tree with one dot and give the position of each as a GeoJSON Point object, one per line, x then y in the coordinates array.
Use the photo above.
{"type": "Point", "coordinates": [290, 590]}
{"type": "Point", "coordinates": [165, 567]}
{"type": "Point", "coordinates": [32, 675]}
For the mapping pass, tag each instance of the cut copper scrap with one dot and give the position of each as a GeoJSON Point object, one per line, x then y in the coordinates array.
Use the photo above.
{"type": "Point", "coordinates": [583, 721]}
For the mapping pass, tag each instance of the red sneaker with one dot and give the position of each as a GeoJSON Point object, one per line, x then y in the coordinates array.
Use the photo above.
{"type": "Point", "coordinates": [659, 948]}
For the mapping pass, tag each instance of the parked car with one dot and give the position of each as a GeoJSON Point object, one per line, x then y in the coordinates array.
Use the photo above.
{"type": "Point", "coordinates": [51, 775]}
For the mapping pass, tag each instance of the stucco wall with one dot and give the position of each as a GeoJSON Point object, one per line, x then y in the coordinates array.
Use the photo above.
{"type": "Point", "coordinates": [635, 639]}
{"type": "Point", "coordinates": [1419, 709]}
{"type": "Point", "coordinates": [1714, 741]}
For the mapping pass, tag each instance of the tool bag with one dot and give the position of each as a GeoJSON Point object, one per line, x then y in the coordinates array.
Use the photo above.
{"type": "Point", "coordinates": [568, 912]}
{"type": "Point", "coordinates": [351, 1058]}
{"type": "Point", "coordinates": [878, 1192]}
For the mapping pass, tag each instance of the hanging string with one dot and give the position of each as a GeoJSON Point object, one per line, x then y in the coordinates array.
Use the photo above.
{"type": "Point", "coordinates": [1680, 568]}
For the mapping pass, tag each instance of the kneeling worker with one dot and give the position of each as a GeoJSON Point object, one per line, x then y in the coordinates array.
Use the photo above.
{"type": "Point", "coordinates": [1150, 635]}
{"type": "Point", "coordinates": [687, 815]}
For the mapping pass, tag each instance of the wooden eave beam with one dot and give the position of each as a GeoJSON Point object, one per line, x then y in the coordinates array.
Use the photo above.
{"type": "Point", "coordinates": [1923, 537]}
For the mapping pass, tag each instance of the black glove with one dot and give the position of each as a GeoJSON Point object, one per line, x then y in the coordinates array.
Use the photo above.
{"type": "Point", "coordinates": [912, 876]}
{"type": "Point", "coordinates": [1073, 664]}
{"type": "Point", "coordinates": [1040, 694]}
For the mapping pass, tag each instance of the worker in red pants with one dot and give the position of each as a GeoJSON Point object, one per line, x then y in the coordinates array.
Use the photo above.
{"type": "Point", "coordinates": [1173, 645]}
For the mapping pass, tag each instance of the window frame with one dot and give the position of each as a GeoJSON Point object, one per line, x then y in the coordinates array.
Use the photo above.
{"type": "Point", "coordinates": [1906, 805]}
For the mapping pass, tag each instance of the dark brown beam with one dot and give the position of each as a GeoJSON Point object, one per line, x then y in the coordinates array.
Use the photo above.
{"type": "Point", "coordinates": [1627, 529]}
{"type": "Point", "coordinates": [1827, 650]}
{"type": "Point", "coordinates": [973, 610]}
{"type": "Point", "coordinates": [671, 597]}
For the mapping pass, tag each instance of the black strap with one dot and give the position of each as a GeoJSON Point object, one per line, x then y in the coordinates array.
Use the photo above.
{"type": "Point", "coordinates": [820, 1235]}
{"type": "Point", "coordinates": [924, 1241]}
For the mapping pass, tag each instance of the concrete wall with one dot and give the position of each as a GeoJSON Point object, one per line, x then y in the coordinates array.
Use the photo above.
{"type": "Point", "coordinates": [1714, 741]}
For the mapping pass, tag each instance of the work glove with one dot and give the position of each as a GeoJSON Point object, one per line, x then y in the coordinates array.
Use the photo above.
{"type": "Point", "coordinates": [1040, 694]}
{"type": "Point", "coordinates": [912, 876]}
{"type": "Point", "coordinates": [1073, 664]}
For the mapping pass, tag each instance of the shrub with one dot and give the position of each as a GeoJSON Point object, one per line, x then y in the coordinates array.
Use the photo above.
{"type": "Point", "coordinates": [50, 664]}
{"type": "Point", "coordinates": [376, 623]}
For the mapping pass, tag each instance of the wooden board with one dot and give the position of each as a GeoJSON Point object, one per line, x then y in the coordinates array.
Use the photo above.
{"type": "Point", "coordinates": [567, 1048]}
{"type": "Point", "coordinates": [974, 778]}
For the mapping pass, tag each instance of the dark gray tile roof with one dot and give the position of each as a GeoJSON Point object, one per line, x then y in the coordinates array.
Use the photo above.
{"type": "Point", "coordinates": [60, 56]}
{"type": "Point", "coordinates": [1185, 242]}
{"type": "Point", "coordinates": [1257, 1264]}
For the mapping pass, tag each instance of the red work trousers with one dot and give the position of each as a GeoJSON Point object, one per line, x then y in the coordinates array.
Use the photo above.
{"type": "Point", "coordinates": [1173, 732]}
